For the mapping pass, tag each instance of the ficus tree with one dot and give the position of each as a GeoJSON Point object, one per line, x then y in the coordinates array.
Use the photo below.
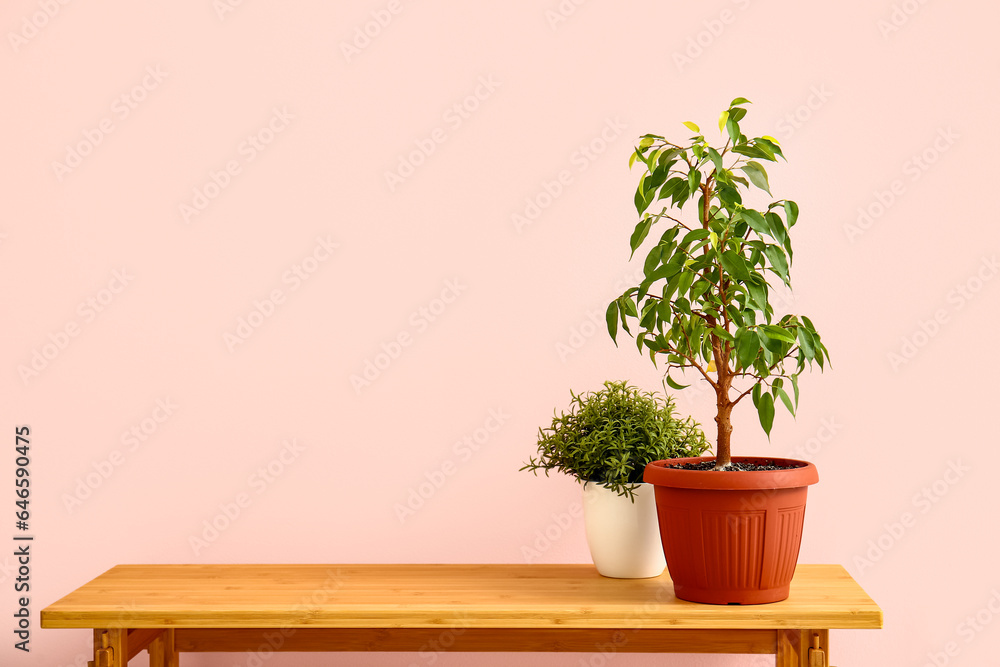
{"type": "Point", "coordinates": [703, 303]}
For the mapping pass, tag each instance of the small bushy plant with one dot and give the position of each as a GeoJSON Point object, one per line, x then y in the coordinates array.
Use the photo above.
{"type": "Point", "coordinates": [608, 436]}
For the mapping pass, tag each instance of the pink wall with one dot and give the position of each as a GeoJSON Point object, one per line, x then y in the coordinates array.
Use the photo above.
{"type": "Point", "coordinates": [130, 282]}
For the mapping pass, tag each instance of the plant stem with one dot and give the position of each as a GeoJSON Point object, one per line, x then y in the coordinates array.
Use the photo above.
{"type": "Point", "coordinates": [720, 352]}
{"type": "Point", "coordinates": [725, 427]}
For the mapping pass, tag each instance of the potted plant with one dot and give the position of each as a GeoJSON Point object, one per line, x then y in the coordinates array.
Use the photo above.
{"type": "Point", "coordinates": [731, 526]}
{"type": "Point", "coordinates": [606, 440]}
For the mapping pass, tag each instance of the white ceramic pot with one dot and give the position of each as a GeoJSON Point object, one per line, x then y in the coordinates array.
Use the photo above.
{"type": "Point", "coordinates": [624, 537]}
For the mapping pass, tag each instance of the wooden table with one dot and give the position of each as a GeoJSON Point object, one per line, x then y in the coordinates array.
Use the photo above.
{"type": "Point", "coordinates": [171, 609]}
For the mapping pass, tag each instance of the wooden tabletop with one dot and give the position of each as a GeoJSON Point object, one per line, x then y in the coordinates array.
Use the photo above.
{"type": "Point", "coordinates": [435, 596]}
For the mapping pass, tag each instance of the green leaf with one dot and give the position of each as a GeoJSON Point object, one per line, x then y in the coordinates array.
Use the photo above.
{"type": "Point", "coordinates": [722, 120]}
{"type": "Point", "coordinates": [806, 342]}
{"type": "Point", "coordinates": [733, 128]}
{"type": "Point", "coordinates": [777, 227]}
{"type": "Point", "coordinates": [663, 311]}
{"type": "Point", "coordinates": [716, 159]}
{"type": "Point", "coordinates": [765, 149]}
{"type": "Point", "coordinates": [672, 186]}
{"type": "Point", "coordinates": [641, 203]}
{"type": "Point", "coordinates": [646, 141]}
{"type": "Point", "coordinates": [699, 288]}
{"type": "Point", "coordinates": [668, 156]}
{"type": "Point", "coordinates": [769, 146]}
{"type": "Point", "coordinates": [758, 292]}
{"type": "Point", "coordinates": [747, 347]}
{"type": "Point", "coordinates": [740, 100]}
{"type": "Point", "coordinates": [755, 172]}
{"type": "Point", "coordinates": [787, 401]}
{"type": "Point", "coordinates": [776, 256]}
{"type": "Point", "coordinates": [730, 196]}
{"type": "Point", "coordinates": [648, 320]}
{"type": "Point", "coordinates": [777, 333]}
{"type": "Point", "coordinates": [673, 384]}
{"type": "Point", "coordinates": [795, 388]}
{"type": "Point", "coordinates": [694, 235]}
{"type": "Point", "coordinates": [656, 177]}
{"type": "Point", "coordinates": [735, 266]}
{"type": "Point", "coordinates": [723, 334]}
{"type": "Point", "coordinates": [612, 317]}
{"type": "Point", "coordinates": [791, 212]}
{"type": "Point", "coordinates": [765, 411]}
{"type": "Point", "coordinates": [684, 283]}
{"type": "Point", "coordinates": [652, 260]}
{"type": "Point", "coordinates": [639, 235]}
{"type": "Point", "coordinates": [751, 151]}
{"type": "Point", "coordinates": [694, 180]}
{"type": "Point", "coordinates": [756, 221]}
{"type": "Point", "coordinates": [691, 126]}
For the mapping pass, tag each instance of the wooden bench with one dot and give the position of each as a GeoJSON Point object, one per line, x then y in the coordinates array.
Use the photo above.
{"type": "Point", "coordinates": [172, 609]}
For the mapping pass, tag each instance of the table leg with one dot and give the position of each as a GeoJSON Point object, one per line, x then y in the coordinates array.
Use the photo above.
{"type": "Point", "coordinates": [110, 648]}
{"type": "Point", "coordinates": [803, 648]}
{"type": "Point", "coordinates": [163, 652]}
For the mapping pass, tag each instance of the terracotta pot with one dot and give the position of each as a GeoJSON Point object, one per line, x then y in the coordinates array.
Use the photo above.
{"type": "Point", "coordinates": [731, 537]}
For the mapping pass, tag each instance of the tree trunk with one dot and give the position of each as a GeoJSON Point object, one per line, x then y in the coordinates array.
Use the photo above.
{"type": "Point", "coordinates": [725, 430]}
